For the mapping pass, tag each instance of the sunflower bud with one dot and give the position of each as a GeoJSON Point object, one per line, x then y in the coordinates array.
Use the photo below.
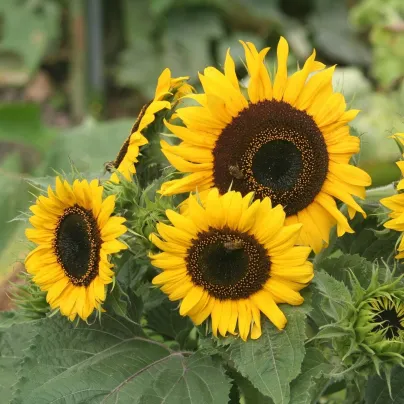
{"type": "Point", "coordinates": [369, 336]}
{"type": "Point", "coordinates": [141, 208]}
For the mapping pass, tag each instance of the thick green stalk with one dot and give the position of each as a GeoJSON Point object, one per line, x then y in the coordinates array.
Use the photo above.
{"type": "Point", "coordinates": [375, 194]}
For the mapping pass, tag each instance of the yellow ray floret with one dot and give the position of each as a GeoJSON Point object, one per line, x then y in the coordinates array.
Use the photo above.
{"type": "Point", "coordinates": [230, 259]}
{"type": "Point", "coordinates": [396, 204]}
{"type": "Point", "coordinates": [75, 233]}
{"type": "Point", "coordinates": [288, 138]}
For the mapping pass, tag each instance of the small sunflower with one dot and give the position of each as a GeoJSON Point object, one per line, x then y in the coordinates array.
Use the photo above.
{"type": "Point", "coordinates": [396, 204]}
{"type": "Point", "coordinates": [75, 234]}
{"type": "Point", "coordinates": [129, 152]}
{"type": "Point", "coordinates": [289, 140]}
{"type": "Point", "coordinates": [231, 259]}
{"type": "Point", "coordinates": [380, 327]}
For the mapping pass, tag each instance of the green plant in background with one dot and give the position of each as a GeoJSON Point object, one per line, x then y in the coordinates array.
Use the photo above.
{"type": "Point", "coordinates": [386, 27]}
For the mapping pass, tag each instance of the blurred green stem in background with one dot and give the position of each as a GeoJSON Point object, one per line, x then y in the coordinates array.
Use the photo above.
{"type": "Point", "coordinates": [95, 34]}
{"type": "Point", "coordinates": [78, 60]}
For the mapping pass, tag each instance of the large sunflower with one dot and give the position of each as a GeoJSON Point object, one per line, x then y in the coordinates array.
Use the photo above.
{"type": "Point", "coordinates": [289, 140]}
{"type": "Point", "coordinates": [231, 259]}
{"type": "Point", "coordinates": [75, 234]}
{"type": "Point", "coordinates": [127, 157]}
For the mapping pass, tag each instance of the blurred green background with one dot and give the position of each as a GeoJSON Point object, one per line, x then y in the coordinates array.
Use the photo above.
{"type": "Point", "coordinates": [74, 74]}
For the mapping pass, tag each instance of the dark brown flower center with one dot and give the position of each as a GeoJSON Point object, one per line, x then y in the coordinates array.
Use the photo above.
{"type": "Point", "coordinates": [275, 150]}
{"type": "Point", "coordinates": [228, 264]}
{"type": "Point", "coordinates": [77, 245]}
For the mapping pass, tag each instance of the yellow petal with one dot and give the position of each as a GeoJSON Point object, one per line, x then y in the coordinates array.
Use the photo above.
{"type": "Point", "coordinates": [168, 247]}
{"type": "Point", "coordinates": [281, 77]}
{"type": "Point", "coordinates": [300, 273]}
{"type": "Point", "coordinates": [181, 222]}
{"type": "Point", "coordinates": [174, 235]}
{"type": "Point", "coordinates": [113, 246]}
{"type": "Point", "coordinates": [191, 299]}
{"type": "Point", "coordinates": [175, 275]}
{"type": "Point", "coordinates": [106, 210]}
{"type": "Point", "coordinates": [283, 293]}
{"type": "Point", "coordinates": [350, 174]}
{"type": "Point", "coordinates": [225, 317]}
{"type": "Point", "coordinates": [113, 228]}
{"type": "Point", "coordinates": [200, 317]}
{"type": "Point", "coordinates": [266, 304]}
{"type": "Point", "coordinates": [216, 316]}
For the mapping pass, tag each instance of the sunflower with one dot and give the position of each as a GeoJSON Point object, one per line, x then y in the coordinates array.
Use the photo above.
{"type": "Point", "coordinates": [75, 234]}
{"type": "Point", "coordinates": [387, 317]}
{"type": "Point", "coordinates": [127, 157]}
{"type": "Point", "coordinates": [396, 204]}
{"type": "Point", "coordinates": [380, 325]}
{"type": "Point", "coordinates": [231, 259]}
{"type": "Point", "coordinates": [289, 140]}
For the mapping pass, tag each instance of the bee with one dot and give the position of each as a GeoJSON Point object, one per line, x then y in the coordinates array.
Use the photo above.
{"type": "Point", "coordinates": [108, 166]}
{"type": "Point", "coordinates": [236, 172]}
{"type": "Point", "coordinates": [233, 245]}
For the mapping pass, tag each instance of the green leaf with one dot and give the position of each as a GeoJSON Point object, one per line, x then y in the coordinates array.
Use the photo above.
{"type": "Point", "coordinates": [274, 360]}
{"type": "Point", "coordinates": [311, 381]}
{"type": "Point", "coordinates": [366, 242]}
{"type": "Point", "coordinates": [338, 268]}
{"type": "Point", "coordinates": [334, 295]}
{"type": "Point", "coordinates": [166, 320]}
{"type": "Point", "coordinates": [8, 318]}
{"type": "Point", "coordinates": [113, 362]}
{"type": "Point", "coordinates": [117, 301]}
{"type": "Point", "coordinates": [248, 392]}
{"type": "Point", "coordinates": [377, 391]}
{"type": "Point", "coordinates": [196, 380]}
{"type": "Point", "coordinates": [14, 339]}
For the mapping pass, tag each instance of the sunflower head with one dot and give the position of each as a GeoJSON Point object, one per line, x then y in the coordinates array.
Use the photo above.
{"type": "Point", "coordinates": [368, 334]}
{"type": "Point", "coordinates": [379, 328]}
{"type": "Point", "coordinates": [396, 204]}
{"type": "Point", "coordinates": [383, 316]}
{"type": "Point", "coordinates": [230, 259]}
{"type": "Point", "coordinates": [167, 91]}
{"type": "Point", "coordinates": [75, 234]}
{"type": "Point", "coordinates": [288, 140]}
